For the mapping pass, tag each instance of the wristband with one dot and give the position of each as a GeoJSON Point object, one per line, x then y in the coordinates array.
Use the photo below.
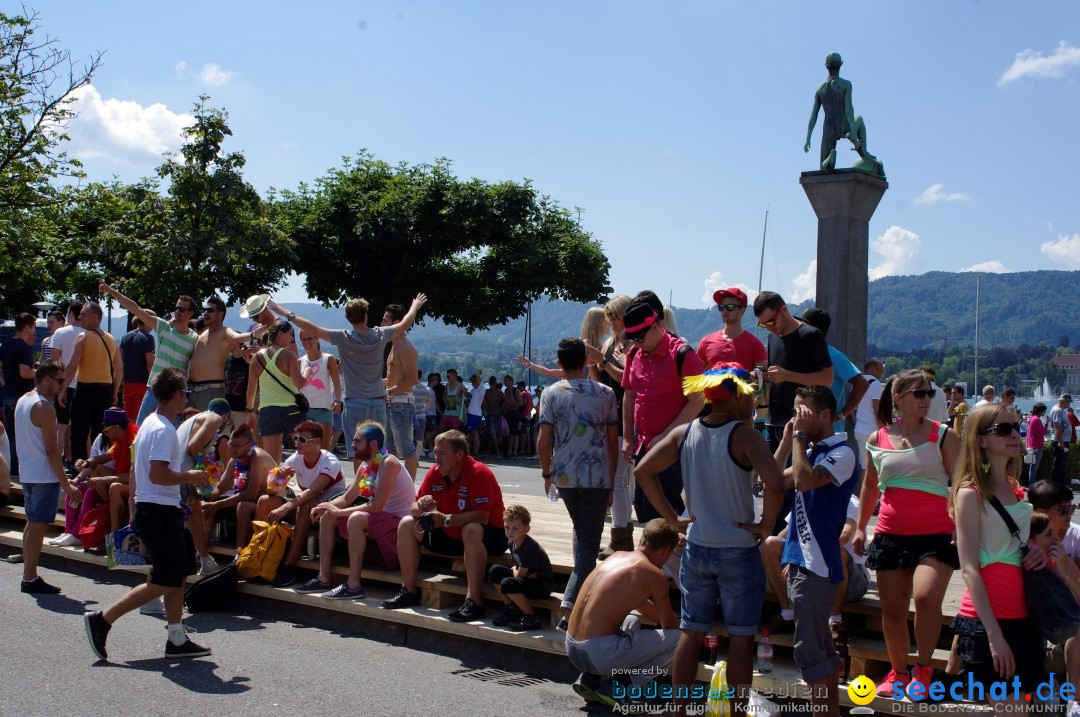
{"type": "Point", "coordinates": [546, 476]}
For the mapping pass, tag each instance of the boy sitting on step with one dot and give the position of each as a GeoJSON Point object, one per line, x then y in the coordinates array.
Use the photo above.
{"type": "Point", "coordinates": [530, 578]}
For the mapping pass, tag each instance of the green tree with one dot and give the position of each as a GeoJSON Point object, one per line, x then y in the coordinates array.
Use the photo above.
{"type": "Point", "coordinates": [481, 251]}
{"type": "Point", "coordinates": [38, 82]}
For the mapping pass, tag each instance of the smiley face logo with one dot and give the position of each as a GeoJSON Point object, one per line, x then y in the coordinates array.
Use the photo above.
{"type": "Point", "coordinates": [862, 690]}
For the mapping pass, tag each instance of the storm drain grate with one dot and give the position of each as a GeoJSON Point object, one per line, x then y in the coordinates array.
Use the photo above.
{"type": "Point", "coordinates": [502, 677]}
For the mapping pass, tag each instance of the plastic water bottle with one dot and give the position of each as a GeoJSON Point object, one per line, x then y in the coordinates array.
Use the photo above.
{"type": "Point", "coordinates": [311, 547]}
{"type": "Point", "coordinates": [553, 494]}
{"type": "Point", "coordinates": [764, 654]}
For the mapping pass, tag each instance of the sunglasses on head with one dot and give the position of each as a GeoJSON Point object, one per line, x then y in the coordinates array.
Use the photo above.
{"type": "Point", "coordinates": [729, 307]}
{"type": "Point", "coordinates": [921, 393]}
{"type": "Point", "coordinates": [1002, 429]}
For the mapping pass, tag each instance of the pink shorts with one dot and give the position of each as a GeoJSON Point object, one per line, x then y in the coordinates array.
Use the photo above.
{"type": "Point", "coordinates": [382, 538]}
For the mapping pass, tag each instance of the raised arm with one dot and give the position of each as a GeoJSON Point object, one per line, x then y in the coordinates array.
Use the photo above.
{"type": "Point", "coordinates": [132, 308]}
{"type": "Point", "coordinates": [556, 373]}
{"type": "Point", "coordinates": [306, 326]}
{"type": "Point", "coordinates": [406, 323]}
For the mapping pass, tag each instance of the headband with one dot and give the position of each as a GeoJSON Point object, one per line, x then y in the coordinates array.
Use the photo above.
{"type": "Point", "coordinates": [642, 326]}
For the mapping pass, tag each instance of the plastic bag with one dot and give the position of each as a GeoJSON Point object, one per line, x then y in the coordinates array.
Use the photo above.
{"type": "Point", "coordinates": [720, 692]}
{"type": "Point", "coordinates": [124, 549]}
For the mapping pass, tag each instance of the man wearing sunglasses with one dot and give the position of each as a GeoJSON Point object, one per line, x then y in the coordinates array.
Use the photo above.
{"type": "Point", "coordinates": [97, 364]}
{"type": "Point", "coordinates": [1060, 436]}
{"type": "Point", "coordinates": [731, 344]}
{"type": "Point", "coordinates": [206, 369]}
{"type": "Point", "coordinates": [653, 399]}
{"type": "Point", "coordinates": [176, 340]}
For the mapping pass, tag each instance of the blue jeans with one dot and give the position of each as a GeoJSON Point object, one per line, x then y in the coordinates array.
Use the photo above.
{"type": "Point", "coordinates": [587, 508]}
{"type": "Point", "coordinates": [400, 430]}
{"type": "Point", "coordinates": [1033, 469]}
{"type": "Point", "coordinates": [149, 405]}
{"type": "Point", "coordinates": [358, 410]}
{"type": "Point", "coordinates": [732, 578]}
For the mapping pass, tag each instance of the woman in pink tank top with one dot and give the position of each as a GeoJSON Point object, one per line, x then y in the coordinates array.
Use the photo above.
{"type": "Point", "coordinates": [912, 551]}
{"type": "Point", "coordinates": [996, 639]}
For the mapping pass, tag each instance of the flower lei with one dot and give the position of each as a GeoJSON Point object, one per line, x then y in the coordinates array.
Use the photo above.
{"type": "Point", "coordinates": [241, 467]}
{"type": "Point", "coordinates": [277, 480]}
{"type": "Point", "coordinates": [209, 464]}
{"type": "Point", "coordinates": [369, 472]}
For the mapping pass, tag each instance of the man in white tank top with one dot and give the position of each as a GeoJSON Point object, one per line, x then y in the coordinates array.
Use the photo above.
{"type": "Point", "coordinates": [721, 563]}
{"type": "Point", "coordinates": [41, 468]}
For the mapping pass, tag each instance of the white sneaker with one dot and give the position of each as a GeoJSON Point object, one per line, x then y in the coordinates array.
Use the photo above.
{"type": "Point", "coordinates": [57, 539]}
{"type": "Point", "coordinates": [1074, 709]}
{"type": "Point", "coordinates": [67, 540]}
{"type": "Point", "coordinates": [154, 607]}
{"type": "Point", "coordinates": [208, 565]}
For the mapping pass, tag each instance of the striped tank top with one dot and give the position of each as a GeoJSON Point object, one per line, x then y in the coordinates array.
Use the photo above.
{"type": "Point", "coordinates": [174, 349]}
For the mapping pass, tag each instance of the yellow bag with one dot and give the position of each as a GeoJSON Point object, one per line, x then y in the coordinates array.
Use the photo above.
{"type": "Point", "coordinates": [720, 692]}
{"type": "Point", "coordinates": [261, 557]}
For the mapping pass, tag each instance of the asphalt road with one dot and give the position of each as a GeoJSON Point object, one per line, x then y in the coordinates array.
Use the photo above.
{"type": "Point", "coordinates": [260, 666]}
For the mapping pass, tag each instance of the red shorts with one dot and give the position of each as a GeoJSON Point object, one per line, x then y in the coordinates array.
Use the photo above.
{"type": "Point", "coordinates": [382, 538]}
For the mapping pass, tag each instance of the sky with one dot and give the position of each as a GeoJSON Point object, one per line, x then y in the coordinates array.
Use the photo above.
{"type": "Point", "coordinates": [673, 127]}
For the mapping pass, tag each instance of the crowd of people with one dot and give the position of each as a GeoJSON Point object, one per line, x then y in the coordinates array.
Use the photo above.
{"type": "Point", "coordinates": [635, 423]}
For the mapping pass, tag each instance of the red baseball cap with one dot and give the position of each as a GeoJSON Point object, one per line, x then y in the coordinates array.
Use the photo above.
{"type": "Point", "coordinates": [739, 294]}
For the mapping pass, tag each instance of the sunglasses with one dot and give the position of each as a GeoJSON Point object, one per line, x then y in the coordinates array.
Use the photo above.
{"type": "Point", "coordinates": [1002, 429]}
{"type": "Point", "coordinates": [921, 393]}
{"type": "Point", "coordinates": [188, 309]}
{"type": "Point", "coordinates": [767, 324]}
{"type": "Point", "coordinates": [210, 309]}
{"type": "Point", "coordinates": [1065, 510]}
{"type": "Point", "coordinates": [301, 440]}
{"type": "Point", "coordinates": [730, 307]}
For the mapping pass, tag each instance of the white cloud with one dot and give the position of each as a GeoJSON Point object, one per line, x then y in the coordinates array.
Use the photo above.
{"type": "Point", "coordinates": [215, 76]}
{"type": "Point", "coordinates": [1064, 251]}
{"type": "Point", "coordinates": [124, 130]}
{"type": "Point", "coordinates": [1030, 63]}
{"type": "Point", "coordinates": [933, 195]}
{"type": "Point", "coordinates": [805, 284]}
{"type": "Point", "coordinates": [182, 68]}
{"type": "Point", "coordinates": [989, 267]}
{"type": "Point", "coordinates": [716, 281]}
{"type": "Point", "coordinates": [899, 246]}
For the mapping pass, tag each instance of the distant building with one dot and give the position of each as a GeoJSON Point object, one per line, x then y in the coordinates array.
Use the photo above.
{"type": "Point", "coordinates": [1071, 364]}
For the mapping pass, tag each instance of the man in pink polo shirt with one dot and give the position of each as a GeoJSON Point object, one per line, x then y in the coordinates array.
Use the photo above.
{"type": "Point", "coordinates": [731, 344]}
{"type": "Point", "coordinates": [653, 402]}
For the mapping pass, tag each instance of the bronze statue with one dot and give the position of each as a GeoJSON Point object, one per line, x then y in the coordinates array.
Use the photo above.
{"type": "Point", "coordinates": [834, 96]}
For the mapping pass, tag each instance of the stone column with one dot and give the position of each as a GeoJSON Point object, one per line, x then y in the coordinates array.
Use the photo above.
{"type": "Point", "coordinates": [844, 201]}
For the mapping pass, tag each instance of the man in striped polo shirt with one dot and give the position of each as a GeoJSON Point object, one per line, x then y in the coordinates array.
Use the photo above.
{"type": "Point", "coordinates": [175, 340]}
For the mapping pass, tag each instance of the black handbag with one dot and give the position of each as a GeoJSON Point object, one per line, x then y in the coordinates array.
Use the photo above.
{"type": "Point", "coordinates": [1051, 603]}
{"type": "Point", "coordinates": [301, 400]}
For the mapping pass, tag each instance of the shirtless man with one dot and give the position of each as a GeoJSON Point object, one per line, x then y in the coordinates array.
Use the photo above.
{"type": "Point", "coordinates": [199, 435]}
{"type": "Point", "coordinates": [400, 378]}
{"type": "Point", "coordinates": [603, 639]}
{"type": "Point", "coordinates": [206, 370]}
{"type": "Point", "coordinates": [242, 483]}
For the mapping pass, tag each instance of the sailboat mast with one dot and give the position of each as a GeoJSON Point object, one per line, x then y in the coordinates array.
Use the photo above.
{"type": "Point", "coordinates": [761, 264]}
{"type": "Point", "coordinates": [978, 282]}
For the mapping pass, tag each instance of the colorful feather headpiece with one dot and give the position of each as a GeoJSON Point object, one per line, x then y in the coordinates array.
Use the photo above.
{"type": "Point", "coordinates": [720, 383]}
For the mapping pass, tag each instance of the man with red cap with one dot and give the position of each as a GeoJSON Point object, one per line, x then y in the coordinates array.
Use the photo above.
{"type": "Point", "coordinates": [731, 344]}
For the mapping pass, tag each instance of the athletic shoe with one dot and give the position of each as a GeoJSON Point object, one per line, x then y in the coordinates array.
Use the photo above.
{"type": "Point", "coordinates": [509, 614]}
{"type": "Point", "coordinates": [595, 690]}
{"type": "Point", "coordinates": [208, 566]}
{"type": "Point", "coordinates": [154, 607]}
{"type": "Point", "coordinates": [1074, 709]}
{"type": "Point", "coordinates": [188, 649]}
{"type": "Point", "coordinates": [314, 586]}
{"type": "Point", "coordinates": [67, 540]}
{"type": "Point", "coordinates": [562, 624]}
{"type": "Point", "coordinates": [467, 611]}
{"type": "Point", "coordinates": [38, 586]}
{"type": "Point", "coordinates": [923, 674]}
{"type": "Point", "coordinates": [58, 538]}
{"type": "Point", "coordinates": [885, 687]}
{"type": "Point", "coordinates": [284, 577]}
{"type": "Point", "coordinates": [526, 622]}
{"type": "Point", "coordinates": [344, 592]}
{"type": "Point", "coordinates": [97, 632]}
{"type": "Point", "coordinates": [404, 598]}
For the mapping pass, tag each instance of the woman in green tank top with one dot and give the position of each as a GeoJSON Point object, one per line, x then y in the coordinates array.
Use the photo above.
{"type": "Point", "coordinates": [275, 374]}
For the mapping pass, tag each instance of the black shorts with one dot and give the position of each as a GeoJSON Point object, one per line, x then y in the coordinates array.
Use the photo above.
{"type": "Point", "coordinates": [63, 413]}
{"type": "Point", "coordinates": [973, 647]}
{"type": "Point", "coordinates": [904, 552]}
{"type": "Point", "coordinates": [437, 541]}
{"type": "Point", "coordinates": [168, 542]}
{"type": "Point", "coordinates": [530, 587]}
{"type": "Point", "coordinates": [513, 421]}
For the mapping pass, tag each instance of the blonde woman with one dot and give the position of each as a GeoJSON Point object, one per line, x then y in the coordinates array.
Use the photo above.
{"type": "Point", "coordinates": [996, 639]}
{"type": "Point", "coordinates": [275, 373]}
{"type": "Point", "coordinates": [912, 460]}
{"type": "Point", "coordinates": [594, 328]}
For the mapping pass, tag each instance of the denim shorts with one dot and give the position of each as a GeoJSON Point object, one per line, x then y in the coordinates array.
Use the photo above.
{"type": "Point", "coordinates": [320, 415]}
{"type": "Point", "coordinates": [358, 410]}
{"type": "Point", "coordinates": [732, 578]}
{"type": "Point", "coordinates": [41, 501]}
{"type": "Point", "coordinates": [400, 433]}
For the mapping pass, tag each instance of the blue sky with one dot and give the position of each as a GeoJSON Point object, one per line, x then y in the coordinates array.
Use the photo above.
{"type": "Point", "coordinates": [673, 126]}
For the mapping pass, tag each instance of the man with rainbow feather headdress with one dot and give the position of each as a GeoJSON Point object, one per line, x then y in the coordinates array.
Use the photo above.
{"type": "Point", "coordinates": [721, 563]}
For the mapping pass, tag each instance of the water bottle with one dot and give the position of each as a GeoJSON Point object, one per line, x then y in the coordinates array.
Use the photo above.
{"type": "Point", "coordinates": [553, 494]}
{"type": "Point", "coordinates": [311, 546]}
{"type": "Point", "coordinates": [764, 654]}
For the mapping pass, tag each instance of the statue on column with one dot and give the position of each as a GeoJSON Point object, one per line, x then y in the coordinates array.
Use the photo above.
{"type": "Point", "coordinates": [834, 96]}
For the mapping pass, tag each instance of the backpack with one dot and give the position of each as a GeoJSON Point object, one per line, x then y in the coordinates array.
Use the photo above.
{"type": "Point", "coordinates": [214, 592]}
{"type": "Point", "coordinates": [260, 558]}
{"type": "Point", "coordinates": [680, 355]}
{"type": "Point", "coordinates": [94, 526]}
